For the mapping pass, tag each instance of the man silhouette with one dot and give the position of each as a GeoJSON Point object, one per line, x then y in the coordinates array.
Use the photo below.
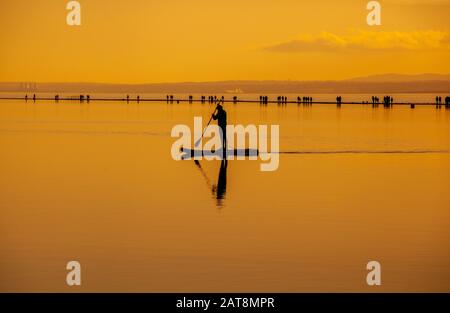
{"type": "Point", "coordinates": [221, 117]}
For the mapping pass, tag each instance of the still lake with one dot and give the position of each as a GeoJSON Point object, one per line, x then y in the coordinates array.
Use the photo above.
{"type": "Point", "coordinates": [95, 182]}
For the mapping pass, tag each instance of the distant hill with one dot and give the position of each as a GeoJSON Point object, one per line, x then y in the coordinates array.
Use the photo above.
{"type": "Point", "coordinates": [386, 83]}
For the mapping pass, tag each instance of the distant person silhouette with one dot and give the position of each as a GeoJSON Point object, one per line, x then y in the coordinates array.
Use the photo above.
{"type": "Point", "coordinates": [221, 117]}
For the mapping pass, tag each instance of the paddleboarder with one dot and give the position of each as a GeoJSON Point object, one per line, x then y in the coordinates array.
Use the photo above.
{"type": "Point", "coordinates": [221, 116]}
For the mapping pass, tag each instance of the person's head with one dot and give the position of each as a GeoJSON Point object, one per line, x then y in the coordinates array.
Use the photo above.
{"type": "Point", "coordinates": [219, 107]}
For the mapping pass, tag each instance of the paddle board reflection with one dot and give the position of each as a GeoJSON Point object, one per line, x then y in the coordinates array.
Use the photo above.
{"type": "Point", "coordinates": [218, 190]}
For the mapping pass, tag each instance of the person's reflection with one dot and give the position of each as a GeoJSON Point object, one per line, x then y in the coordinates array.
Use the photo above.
{"type": "Point", "coordinates": [220, 189]}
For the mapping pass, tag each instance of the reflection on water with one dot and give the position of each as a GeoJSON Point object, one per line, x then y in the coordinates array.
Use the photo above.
{"type": "Point", "coordinates": [221, 188]}
{"type": "Point", "coordinates": [218, 190]}
{"type": "Point", "coordinates": [96, 183]}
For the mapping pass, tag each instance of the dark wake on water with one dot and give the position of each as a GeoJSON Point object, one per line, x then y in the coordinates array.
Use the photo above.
{"type": "Point", "coordinates": [288, 152]}
{"type": "Point", "coordinates": [363, 152]}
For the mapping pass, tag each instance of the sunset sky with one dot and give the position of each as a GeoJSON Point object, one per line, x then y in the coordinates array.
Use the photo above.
{"type": "Point", "coordinates": [140, 41]}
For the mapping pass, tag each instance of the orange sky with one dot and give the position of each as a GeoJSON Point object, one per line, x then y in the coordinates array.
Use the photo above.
{"type": "Point", "coordinates": [138, 41]}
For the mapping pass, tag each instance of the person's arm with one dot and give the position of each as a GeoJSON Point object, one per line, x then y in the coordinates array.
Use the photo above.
{"type": "Point", "coordinates": [214, 116]}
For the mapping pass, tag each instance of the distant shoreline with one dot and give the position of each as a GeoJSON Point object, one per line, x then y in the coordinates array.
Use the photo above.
{"type": "Point", "coordinates": [377, 84]}
{"type": "Point", "coordinates": [84, 99]}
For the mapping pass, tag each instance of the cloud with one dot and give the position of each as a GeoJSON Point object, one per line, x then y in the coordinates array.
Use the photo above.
{"type": "Point", "coordinates": [365, 41]}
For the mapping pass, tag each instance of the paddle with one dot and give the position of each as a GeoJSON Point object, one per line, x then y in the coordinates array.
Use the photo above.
{"type": "Point", "coordinates": [200, 139]}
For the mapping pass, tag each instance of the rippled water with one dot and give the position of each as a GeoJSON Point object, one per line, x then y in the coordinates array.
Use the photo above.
{"type": "Point", "coordinates": [96, 183]}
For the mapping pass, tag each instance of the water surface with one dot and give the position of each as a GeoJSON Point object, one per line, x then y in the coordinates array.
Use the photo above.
{"type": "Point", "coordinates": [96, 183]}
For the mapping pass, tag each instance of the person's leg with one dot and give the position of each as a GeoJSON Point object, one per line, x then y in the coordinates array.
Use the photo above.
{"type": "Point", "coordinates": [224, 141]}
{"type": "Point", "coordinates": [225, 144]}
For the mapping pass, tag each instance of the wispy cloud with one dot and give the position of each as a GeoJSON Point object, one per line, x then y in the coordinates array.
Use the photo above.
{"type": "Point", "coordinates": [365, 41]}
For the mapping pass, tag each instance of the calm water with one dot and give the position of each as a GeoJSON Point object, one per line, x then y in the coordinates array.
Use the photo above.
{"type": "Point", "coordinates": [96, 183]}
